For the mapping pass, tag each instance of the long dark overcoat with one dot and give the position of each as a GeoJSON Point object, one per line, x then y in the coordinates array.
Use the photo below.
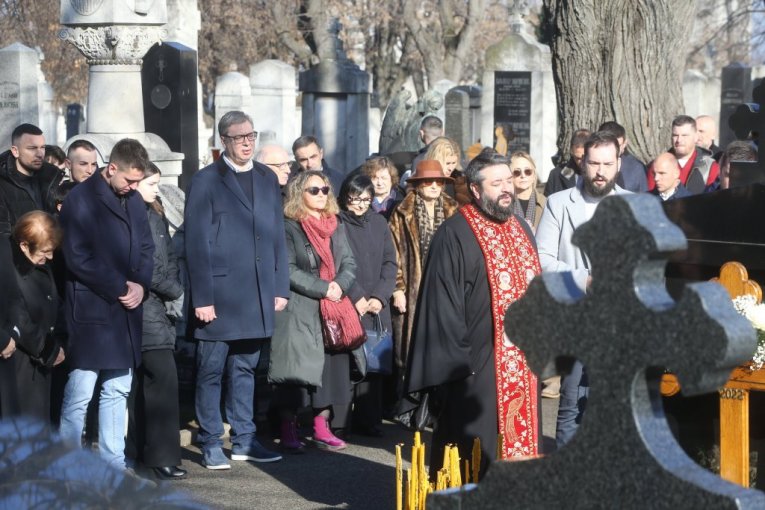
{"type": "Point", "coordinates": [235, 251]}
{"type": "Point", "coordinates": [104, 247]}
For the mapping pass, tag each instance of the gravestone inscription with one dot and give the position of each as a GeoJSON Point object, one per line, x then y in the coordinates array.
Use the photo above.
{"type": "Point", "coordinates": [512, 108]}
{"type": "Point", "coordinates": [625, 330]}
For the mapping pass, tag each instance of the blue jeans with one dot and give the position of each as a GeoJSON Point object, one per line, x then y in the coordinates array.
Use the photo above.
{"type": "Point", "coordinates": [111, 413]}
{"type": "Point", "coordinates": [238, 358]}
{"type": "Point", "coordinates": [574, 391]}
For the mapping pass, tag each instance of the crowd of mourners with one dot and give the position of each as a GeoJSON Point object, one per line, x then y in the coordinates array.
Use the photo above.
{"type": "Point", "coordinates": [277, 249]}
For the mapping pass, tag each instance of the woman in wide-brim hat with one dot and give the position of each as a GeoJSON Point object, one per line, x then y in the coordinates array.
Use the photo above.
{"type": "Point", "coordinates": [413, 223]}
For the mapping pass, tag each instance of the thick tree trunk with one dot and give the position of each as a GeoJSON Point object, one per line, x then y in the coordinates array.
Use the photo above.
{"type": "Point", "coordinates": [623, 61]}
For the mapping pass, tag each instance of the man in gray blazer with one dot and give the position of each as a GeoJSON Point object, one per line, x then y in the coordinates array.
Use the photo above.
{"type": "Point", "coordinates": [563, 214]}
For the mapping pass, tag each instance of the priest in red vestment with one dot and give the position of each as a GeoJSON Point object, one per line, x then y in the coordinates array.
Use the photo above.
{"type": "Point", "coordinates": [481, 260]}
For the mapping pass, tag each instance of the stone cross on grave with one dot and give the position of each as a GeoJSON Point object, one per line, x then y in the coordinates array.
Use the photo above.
{"type": "Point", "coordinates": [625, 330]}
{"type": "Point", "coordinates": [748, 118]}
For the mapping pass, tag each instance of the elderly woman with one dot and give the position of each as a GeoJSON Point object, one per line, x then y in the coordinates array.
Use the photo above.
{"type": "Point", "coordinates": [529, 203]}
{"type": "Point", "coordinates": [447, 152]}
{"type": "Point", "coordinates": [322, 272]}
{"type": "Point", "coordinates": [153, 401]}
{"type": "Point", "coordinates": [383, 174]}
{"type": "Point", "coordinates": [35, 237]}
{"type": "Point", "coordinates": [372, 246]}
{"type": "Point", "coordinates": [412, 224]}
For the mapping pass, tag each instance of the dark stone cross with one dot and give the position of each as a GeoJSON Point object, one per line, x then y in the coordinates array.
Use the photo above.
{"type": "Point", "coordinates": [624, 330]}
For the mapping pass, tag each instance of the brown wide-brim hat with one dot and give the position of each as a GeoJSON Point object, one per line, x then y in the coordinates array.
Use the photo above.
{"type": "Point", "coordinates": [429, 170]}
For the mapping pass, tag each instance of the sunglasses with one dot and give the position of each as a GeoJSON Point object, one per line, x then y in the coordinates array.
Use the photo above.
{"type": "Point", "coordinates": [315, 190]}
{"type": "Point", "coordinates": [431, 182]}
{"type": "Point", "coordinates": [528, 172]}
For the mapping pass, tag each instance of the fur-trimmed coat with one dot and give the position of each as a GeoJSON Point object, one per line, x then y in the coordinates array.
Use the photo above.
{"type": "Point", "coordinates": [406, 239]}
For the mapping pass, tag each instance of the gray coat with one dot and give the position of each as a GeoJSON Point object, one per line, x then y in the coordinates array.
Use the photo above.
{"type": "Point", "coordinates": [297, 346]}
{"type": "Point", "coordinates": [564, 212]}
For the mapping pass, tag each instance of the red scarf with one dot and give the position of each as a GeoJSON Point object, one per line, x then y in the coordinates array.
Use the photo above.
{"type": "Point", "coordinates": [511, 263]}
{"type": "Point", "coordinates": [319, 232]}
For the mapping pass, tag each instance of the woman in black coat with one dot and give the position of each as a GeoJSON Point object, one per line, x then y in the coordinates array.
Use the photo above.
{"type": "Point", "coordinates": [153, 402]}
{"type": "Point", "coordinates": [372, 246]}
{"type": "Point", "coordinates": [35, 237]}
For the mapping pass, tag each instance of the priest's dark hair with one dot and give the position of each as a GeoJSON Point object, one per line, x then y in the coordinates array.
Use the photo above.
{"type": "Point", "coordinates": [353, 186]}
{"type": "Point", "coordinates": [487, 157]}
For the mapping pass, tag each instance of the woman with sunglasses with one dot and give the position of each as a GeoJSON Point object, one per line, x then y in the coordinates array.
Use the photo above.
{"type": "Point", "coordinates": [413, 223]}
{"type": "Point", "coordinates": [529, 203]}
{"type": "Point", "coordinates": [372, 246]}
{"type": "Point", "coordinates": [322, 271]}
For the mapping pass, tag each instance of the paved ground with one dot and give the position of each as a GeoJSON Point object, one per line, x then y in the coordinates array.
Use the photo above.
{"type": "Point", "coordinates": [360, 477]}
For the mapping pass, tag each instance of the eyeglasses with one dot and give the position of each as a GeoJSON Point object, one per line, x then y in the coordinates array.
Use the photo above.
{"type": "Point", "coordinates": [431, 182]}
{"type": "Point", "coordinates": [359, 200]}
{"type": "Point", "coordinates": [528, 172]}
{"type": "Point", "coordinates": [315, 190]}
{"type": "Point", "coordinates": [279, 165]}
{"type": "Point", "coordinates": [251, 137]}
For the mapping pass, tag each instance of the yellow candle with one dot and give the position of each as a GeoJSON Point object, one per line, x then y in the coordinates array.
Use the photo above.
{"type": "Point", "coordinates": [399, 478]}
{"type": "Point", "coordinates": [476, 458]}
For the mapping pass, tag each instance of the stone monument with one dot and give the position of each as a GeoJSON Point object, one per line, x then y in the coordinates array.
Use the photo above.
{"type": "Point", "coordinates": [272, 83]}
{"type": "Point", "coordinates": [736, 89]}
{"type": "Point", "coordinates": [519, 93]}
{"type": "Point", "coordinates": [625, 330]}
{"type": "Point", "coordinates": [19, 96]}
{"type": "Point", "coordinates": [463, 115]}
{"type": "Point", "coordinates": [336, 95]}
{"type": "Point", "coordinates": [114, 35]}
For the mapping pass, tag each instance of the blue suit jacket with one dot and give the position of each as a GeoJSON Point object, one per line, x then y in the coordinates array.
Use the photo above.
{"type": "Point", "coordinates": [632, 174]}
{"type": "Point", "coordinates": [235, 251]}
{"type": "Point", "coordinates": [104, 246]}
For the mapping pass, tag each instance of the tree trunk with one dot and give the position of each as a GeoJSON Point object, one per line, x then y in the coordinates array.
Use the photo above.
{"type": "Point", "coordinates": [623, 61]}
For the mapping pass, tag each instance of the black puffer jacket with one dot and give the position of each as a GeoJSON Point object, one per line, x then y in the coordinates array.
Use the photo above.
{"type": "Point", "coordinates": [158, 331]}
{"type": "Point", "coordinates": [15, 200]}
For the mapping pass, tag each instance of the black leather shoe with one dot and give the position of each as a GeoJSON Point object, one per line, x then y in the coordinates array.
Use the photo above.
{"type": "Point", "coordinates": [170, 473]}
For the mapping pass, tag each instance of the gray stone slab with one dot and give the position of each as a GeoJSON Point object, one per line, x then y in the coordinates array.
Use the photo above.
{"type": "Point", "coordinates": [625, 330]}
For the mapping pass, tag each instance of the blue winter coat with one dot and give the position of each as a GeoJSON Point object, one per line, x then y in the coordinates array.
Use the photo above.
{"type": "Point", "coordinates": [104, 247]}
{"type": "Point", "coordinates": [235, 252]}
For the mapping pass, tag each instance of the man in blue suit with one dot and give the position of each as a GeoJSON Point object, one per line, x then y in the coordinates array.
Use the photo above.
{"type": "Point", "coordinates": [108, 251]}
{"type": "Point", "coordinates": [237, 262]}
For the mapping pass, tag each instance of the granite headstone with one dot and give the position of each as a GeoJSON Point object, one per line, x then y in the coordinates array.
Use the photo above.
{"type": "Point", "coordinates": [169, 81]}
{"type": "Point", "coordinates": [463, 115]}
{"type": "Point", "coordinates": [19, 98]}
{"type": "Point", "coordinates": [625, 330]}
{"type": "Point", "coordinates": [736, 89]}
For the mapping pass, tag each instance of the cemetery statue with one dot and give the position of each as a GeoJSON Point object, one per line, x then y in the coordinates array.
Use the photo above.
{"type": "Point", "coordinates": [398, 117]}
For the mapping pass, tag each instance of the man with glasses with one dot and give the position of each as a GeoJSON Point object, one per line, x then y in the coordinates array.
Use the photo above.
{"type": "Point", "coordinates": [277, 159]}
{"type": "Point", "coordinates": [564, 213]}
{"type": "Point", "coordinates": [237, 262]}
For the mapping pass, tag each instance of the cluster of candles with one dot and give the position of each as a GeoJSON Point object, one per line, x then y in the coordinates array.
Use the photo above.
{"type": "Point", "coordinates": [418, 484]}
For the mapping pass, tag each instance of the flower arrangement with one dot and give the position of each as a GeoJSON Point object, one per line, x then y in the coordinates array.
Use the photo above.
{"type": "Point", "coordinates": [747, 306]}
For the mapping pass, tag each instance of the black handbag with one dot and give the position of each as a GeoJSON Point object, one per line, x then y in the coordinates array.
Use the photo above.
{"type": "Point", "coordinates": [379, 348]}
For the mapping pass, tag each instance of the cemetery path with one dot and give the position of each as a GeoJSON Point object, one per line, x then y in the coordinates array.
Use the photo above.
{"type": "Point", "coordinates": [360, 477]}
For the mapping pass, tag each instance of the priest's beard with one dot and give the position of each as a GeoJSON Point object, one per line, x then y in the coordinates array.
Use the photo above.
{"type": "Point", "coordinates": [494, 210]}
{"type": "Point", "coordinates": [596, 192]}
